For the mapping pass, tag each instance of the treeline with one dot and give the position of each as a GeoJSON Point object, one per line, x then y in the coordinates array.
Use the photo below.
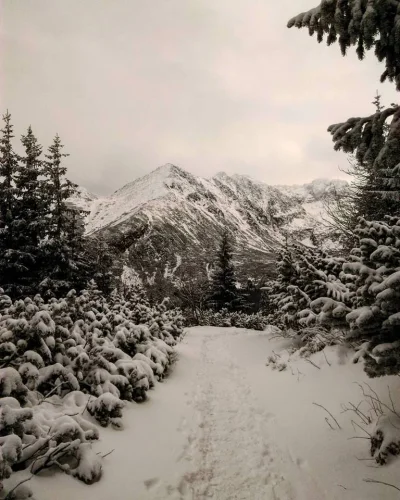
{"type": "Point", "coordinates": [42, 244]}
{"type": "Point", "coordinates": [73, 335]}
{"type": "Point", "coordinates": [215, 296]}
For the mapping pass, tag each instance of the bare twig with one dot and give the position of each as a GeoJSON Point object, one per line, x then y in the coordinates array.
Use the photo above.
{"type": "Point", "coordinates": [50, 403]}
{"type": "Point", "coordinates": [375, 403]}
{"type": "Point", "coordinates": [10, 493]}
{"type": "Point", "coordinates": [87, 403]}
{"type": "Point", "coordinates": [375, 394]}
{"type": "Point", "coordinates": [385, 406]}
{"type": "Point", "coordinates": [362, 428]}
{"type": "Point", "coordinates": [356, 409]}
{"type": "Point", "coordinates": [109, 453]}
{"type": "Point", "coordinates": [309, 361]}
{"type": "Point", "coordinates": [323, 407]}
{"type": "Point", "coordinates": [330, 425]}
{"type": "Point", "coordinates": [369, 480]}
{"type": "Point", "coordinates": [298, 375]}
{"type": "Point", "coordinates": [392, 424]}
{"type": "Point", "coordinates": [276, 337]}
{"type": "Point", "coordinates": [323, 352]}
{"type": "Point", "coordinates": [366, 418]}
{"type": "Point", "coordinates": [391, 400]}
{"type": "Point", "coordinates": [51, 392]}
{"type": "Point", "coordinates": [50, 459]}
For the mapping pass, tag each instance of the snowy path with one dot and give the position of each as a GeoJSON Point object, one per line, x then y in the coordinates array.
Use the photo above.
{"type": "Point", "coordinates": [230, 450]}
{"type": "Point", "coordinates": [210, 431]}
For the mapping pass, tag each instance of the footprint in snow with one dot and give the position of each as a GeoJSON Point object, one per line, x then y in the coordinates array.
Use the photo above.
{"type": "Point", "coordinates": [151, 483]}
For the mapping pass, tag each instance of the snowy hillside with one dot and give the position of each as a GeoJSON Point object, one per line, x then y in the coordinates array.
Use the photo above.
{"type": "Point", "coordinates": [185, 214]}
{"type": "Point", "coordinates": [83, 199]}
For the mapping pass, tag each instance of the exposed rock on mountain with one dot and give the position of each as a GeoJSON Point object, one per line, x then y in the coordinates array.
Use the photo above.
{"type": "Point", "coordinates": [184, 216]}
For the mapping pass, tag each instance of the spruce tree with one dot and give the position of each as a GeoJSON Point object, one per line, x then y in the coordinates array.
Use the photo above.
{"type": "Point", "coordinates": [59, 189]}
{"type": "Point", "coordinates": [360, 199]}
{"type": "Point", "coordinates": [81, 263]}
{"type": "Point", "coordinates": [11, 261]}
{"type": "Point", "coordinates": [374, 140]}
{"type": "Point", "coordinates": [29, 214]}
{"type": "Point", "coordinates": [63, 264]}
{"type": "Point", "coordinates": [224, 291]}
{"type": "Point", "coordinates": [365, 23]}
{"type": "Point", "coordinates": [251, 296]}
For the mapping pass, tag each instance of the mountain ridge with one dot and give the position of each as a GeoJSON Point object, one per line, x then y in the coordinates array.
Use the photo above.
{"type": "Point", "coordinates": [185, 214]}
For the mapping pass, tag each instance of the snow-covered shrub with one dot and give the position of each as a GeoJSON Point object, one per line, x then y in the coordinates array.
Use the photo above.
{"type": "Point", "coordinates": [106, 409]}
{"type": "Point", "coordinates": [375, 273]}
{"type": "Point", "coordinates": [385, 439]}
{"type": "Point", "coordinates": [11, 385]}
{"type": "Point", "coordinates": [305, 275]}
{"type": "Point", "coordinates": [225, 318]}
{"type": "Point", "coordinates": [60, 358]}
{"type": "Point", "coordinates": [316, 338]}
{"type": "Point", "coordinates": [12, 420]}
{"type": "Point", "coordinates": [359, 296]}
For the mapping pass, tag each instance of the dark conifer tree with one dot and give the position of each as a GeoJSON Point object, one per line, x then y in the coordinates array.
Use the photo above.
{"type": "Point", "coordinates": [59, 188]}
{"type": "Point", "coordinates": [251, 296]}
{"type": "Point", "coordinates": [63, 265]}
{"type": "Point", "coordinates": [363, 197]}
{"type": "Point", "coordinates": [10, 259]}
{"type": "Point", "coordinates": [224, 291]}
{"type": "Point", "coordinates": [373, 140]}
{"type": "Point", "coordinates": [29, 214]}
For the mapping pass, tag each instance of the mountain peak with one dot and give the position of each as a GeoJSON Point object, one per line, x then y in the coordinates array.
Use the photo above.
{"type": "Point", "coordinates": [167, 167]}
{"type": "Point", "coordinates": [168, 170]}
{"type": "Point", "coordinates": [221, 175]}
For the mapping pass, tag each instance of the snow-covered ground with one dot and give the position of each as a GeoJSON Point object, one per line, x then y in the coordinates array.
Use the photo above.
{"type": "Point", "coordinates": [226, 426]}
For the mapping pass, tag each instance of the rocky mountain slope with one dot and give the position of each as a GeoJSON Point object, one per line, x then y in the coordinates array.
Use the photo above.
{"type": "Point", "coordinates": [184, 215]}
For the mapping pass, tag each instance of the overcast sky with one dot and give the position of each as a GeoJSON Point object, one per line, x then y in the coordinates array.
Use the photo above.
{"type": "Point", "coordinates": [209, 85]}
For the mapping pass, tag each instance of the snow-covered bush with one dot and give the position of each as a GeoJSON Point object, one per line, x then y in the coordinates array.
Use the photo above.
{"type": "Point", "coordinates": [385, 439]}
{"type": "Point", "coordinates": [106, 409]}
{"type": "Point", "coordinates": [226, 318]}
{"type": "Point", "coordinates": [83, 352]}
{"type": "Point", "coordinates": [374, 272]}
{"type": "Point", "coordinates": [305, 276]}
{"type": "Point", "coordinates": [358, 297]}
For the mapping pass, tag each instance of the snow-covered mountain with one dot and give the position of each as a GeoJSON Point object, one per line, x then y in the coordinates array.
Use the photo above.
{"type": "Point", "coordinates": [185, 215]}
{"type": "Point", "coordinates": [83, 199]}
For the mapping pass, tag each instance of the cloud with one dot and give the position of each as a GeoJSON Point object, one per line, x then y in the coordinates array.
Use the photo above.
{"type": "Point", "coordinates": [210, 86]}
